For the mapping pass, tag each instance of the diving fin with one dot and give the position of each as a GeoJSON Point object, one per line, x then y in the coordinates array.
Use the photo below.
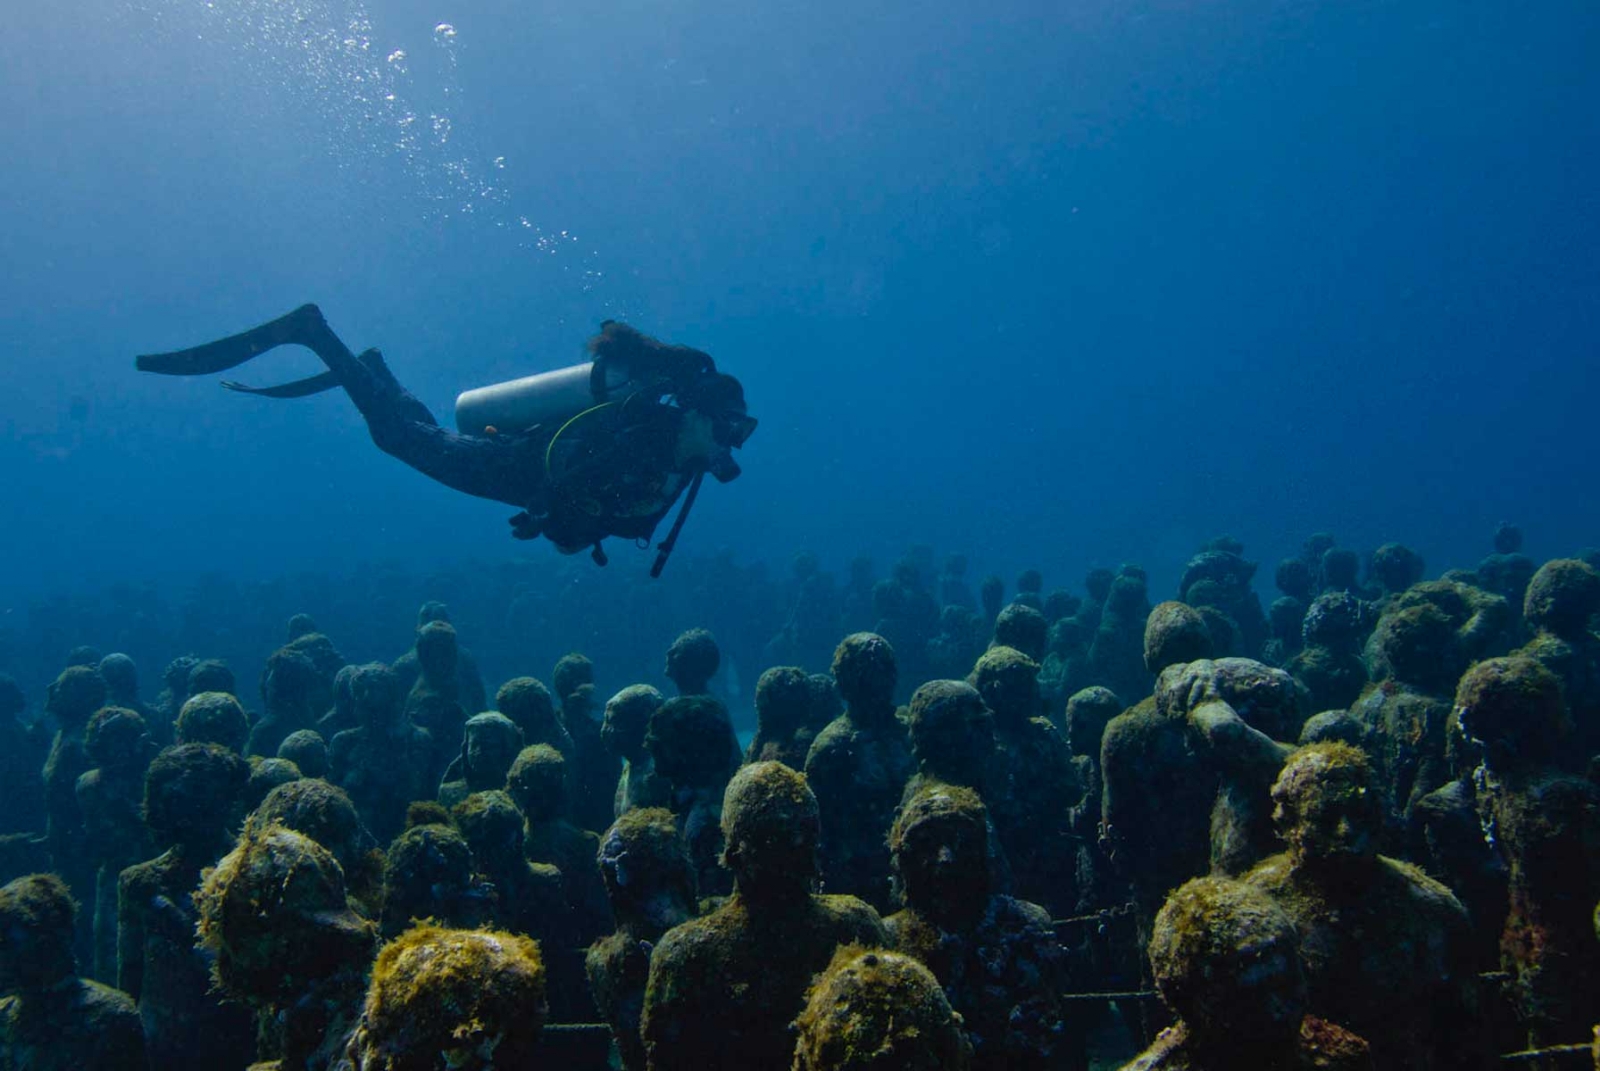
{"type": "Point", "coordinates": [230, 352]}
{"type": "Point", "coordinates": [300, 388]}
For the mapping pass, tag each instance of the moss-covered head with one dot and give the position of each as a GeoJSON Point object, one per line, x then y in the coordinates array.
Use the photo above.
{"type": "Point", "coordinates": [627, 719]}
{"type": "Point", "coordinates": [36, 920]}
{"type": "Point", "coordinates": [878, 1011]}
{"type": "Point", "coordinates": [952, 731]}
{"type": "Point", "coordinates": [1513, 707]}
{"type": "Point", "coordinates": [1174, 633]}
{"type": "Point", "coordinates": [1226, 960]}
{"type": "Point", "coordinates": [526, 701]}
{"type": "Point", "coordinates": [864, 669]}
{"type": "Point", "coordinates": [491, 823]}
{"type": "Point", "coordinates": [266, 775]}
{"type": "Point", "coordinates": [322, 812]}
{"type": "Point", "coordinates": [190, 792]}
{"type": "Point", "coordinates": [783, 700]}
{"type": "Point", "coordinates": [1022, 627]}
{"type": "Point", "coordinates": [1008, 681]}
{"type": "Point", "coordinates": [427, 873]}
{"type": "Point", "coordinates": [1395, 567]}
{"type": "Point", "coordinates": [462, 1000]}
{"type": "Point", "coordinates": [427, 813]}
{"type": "Point", "coordinates": [537, 782]}
{"type": "Point", "coordinates": [307, 750]}
{"type": "Point", "coordinates": [1416, 645]}
{"type": "Point", "coordinates": [213, 718]}
{"type": "Point", "coordinates": [688, 740]}
{"type": "Point", "coordinates": [212, 675]}
{"type": "Point", "coordinates": [692, 661]}
{"type": "Point", "coordinates": [117, 739]}
{"type": "Point", "coordinates": [940, 847]}
{"type": "Point", "coordinates": [122, 678]}
{"type": "Point", "coordinates": [1562, 597]}
{"type": "Point", "coordinates": [571, 671]}
{"type": "Point", "coordinates": [1340, 567]}
{"type": "Point", "coordinates": [274, 918]}
{"type": "Point", "coordinates": [1335, 620]}
{"type": "Point", "coordinates": [649, 875]}
{"type": "Point", "coordinates": [437, 650]}
{"type": "Point", "coordinates": [75, 695]}
{"type": "Point", "coordinates": [1327, 805]}
{"type": "Point", "coordinates": [1089, 711]}
{"type": "Point", "coordinates": [490, 743]}
{"type": "Point", "coordinates": [289, 682]}
{"type": "Point", "coordinates": [771, 827]}
{"type": "Point", "coordinates": [1293, 577]}
{"type": "Point", "coordinates": [377, 695]}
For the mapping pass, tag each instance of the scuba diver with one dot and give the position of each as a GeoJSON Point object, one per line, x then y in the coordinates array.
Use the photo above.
{"type": "Point", "coordinates": [598, 449]}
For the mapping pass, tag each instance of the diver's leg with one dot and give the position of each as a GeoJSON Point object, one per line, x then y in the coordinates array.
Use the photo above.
{"type": "Point", "coordinates": [506, 469]}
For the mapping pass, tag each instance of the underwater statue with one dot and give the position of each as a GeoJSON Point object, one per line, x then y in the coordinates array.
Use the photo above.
{"type": "Point", "coordinates": [858, 766]}
{"type": "Point", "coordinates": [1226, 961]}
{"type": "Point", "coordinates": [469, 681]}
{"type": "Point", "coordinates": [189, 794]}
{"type": "Point", "coordinates": [490, 743]}
{"type": "Point", "coordinates": [997, 957]}
{"type": "Point", "coordinates": [1384, 946]}
{"type": "Point", "coordinates": [588, 452]}
{"type": "Point", "coordinates": [688, 741]}
{"type": "Point", "coordinates": [1544, 822]}
{"type": "Point", "coordinates": [724, 988]}
{"type": "Point", "coordinates": [289, 687]}
{"type": "Point", "coordinates": [650, 881]}
{"type": "Point", "coordinates": [284, 940]}
{"type": "Point", "coordinates": [692, 661]}
{"type": "Point", "coordinates": [50, 1019]}
{"type": "Point", "coordinates": [118, 742]}
{"type": "Point", "coordinates": [528, 897]}
{"type": "Point", "coordinates": [385, 762]}
{"type": "Point", "coordinates": [1033, 784]}
{"type": "Point", "coordinates": [537, 784]}
{"type": "Point", "coordinates": [622, 731]}
{"type": "Point", "coordinates": [528, 703]}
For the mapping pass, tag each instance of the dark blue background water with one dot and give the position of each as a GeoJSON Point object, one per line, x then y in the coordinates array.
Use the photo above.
{"type": "Point", "coordinates": [1053, 283]}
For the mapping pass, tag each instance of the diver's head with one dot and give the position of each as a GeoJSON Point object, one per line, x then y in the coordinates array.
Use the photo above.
{"type": "Point", "coordinates": [721, 398]}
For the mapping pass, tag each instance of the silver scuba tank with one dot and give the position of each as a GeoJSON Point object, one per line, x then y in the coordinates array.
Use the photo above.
{"type": "Point", "coordinates": [519, 404]}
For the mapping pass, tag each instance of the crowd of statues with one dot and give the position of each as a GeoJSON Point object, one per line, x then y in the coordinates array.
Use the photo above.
{"type": "Point", "coordinates": [1358, 828]}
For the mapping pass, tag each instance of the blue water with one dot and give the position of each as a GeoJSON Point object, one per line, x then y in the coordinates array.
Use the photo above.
{"type": "Point", "coordinates": [1055, 284]}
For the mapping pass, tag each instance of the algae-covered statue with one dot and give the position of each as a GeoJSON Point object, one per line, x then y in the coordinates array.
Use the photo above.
{"type": "Point", "coordinates": [724, 988]}
{"type": "Point", "coordinates": [599, 449]}
{"type": "Point", "coordinates": [997, 957]}
{"type": "Point", "coordinates": [1226, 960]}
{"type": "Point", "coordinates": [858, 766]}
{"type": "Point", "coordinates": [284, 940]}
{"type": "Point", "coordinates": [1385, 947]}
{"type": "Point", "coordinates": [51, 1019]}
{"type": "Point", "coordinates": [650, 880]}
{"type": "Point", "coordinates": [189, 796]}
